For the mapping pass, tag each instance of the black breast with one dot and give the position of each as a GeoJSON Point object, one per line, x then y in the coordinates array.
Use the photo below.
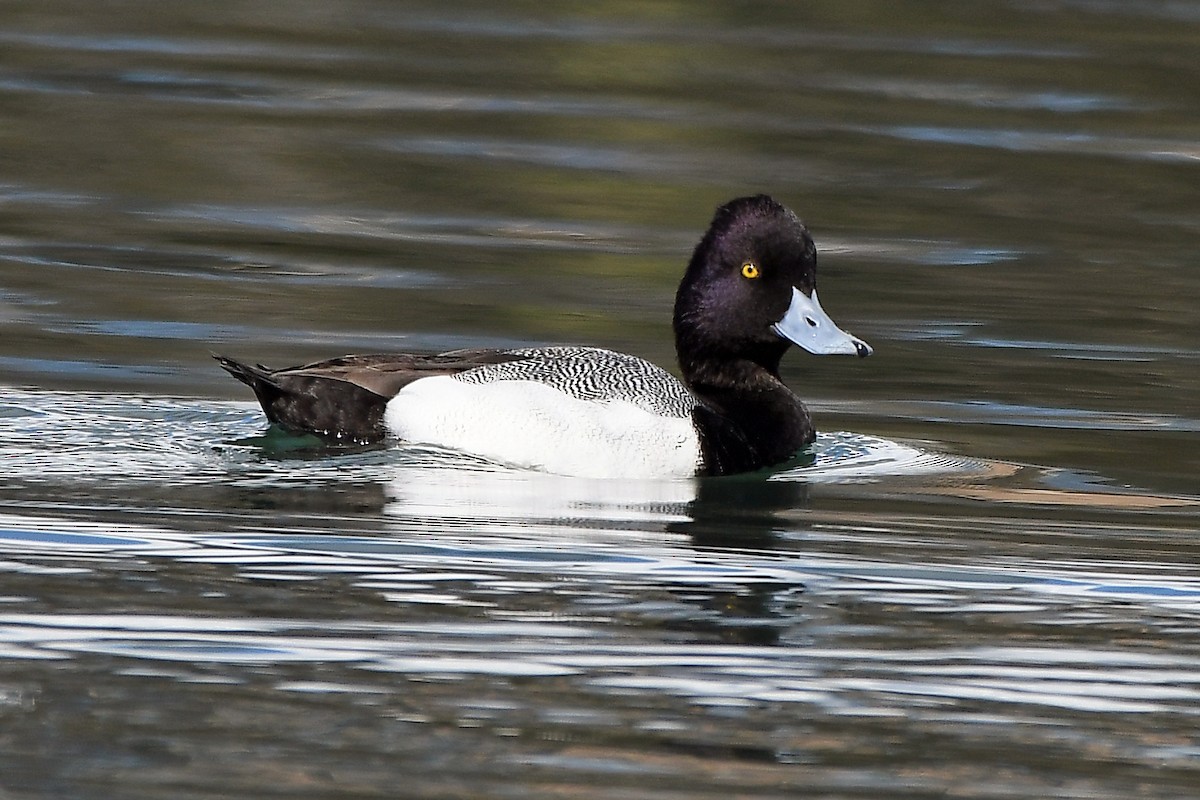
{"type": "Point", "coordinates": [743, 431]}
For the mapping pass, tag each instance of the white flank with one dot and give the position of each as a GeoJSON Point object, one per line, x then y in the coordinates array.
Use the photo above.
{"type": "Point", "coordinates": [531, 425]}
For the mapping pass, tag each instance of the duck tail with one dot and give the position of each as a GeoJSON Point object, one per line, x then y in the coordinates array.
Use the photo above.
{"type": "Point", "coordinates": [332, 409]}
{"type": "Point", "coordinates": [256, 376]}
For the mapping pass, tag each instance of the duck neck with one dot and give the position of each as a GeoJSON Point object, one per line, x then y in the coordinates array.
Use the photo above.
{"type": "Point", "coordinates": [750, 417]}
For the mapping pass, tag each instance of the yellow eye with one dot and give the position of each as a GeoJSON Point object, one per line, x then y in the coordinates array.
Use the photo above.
{"type": "Point", "coordinates": [750, 270]}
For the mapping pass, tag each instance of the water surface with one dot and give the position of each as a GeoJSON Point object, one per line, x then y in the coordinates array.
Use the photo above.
{"type": "Point", "coordinates": [983, 584]}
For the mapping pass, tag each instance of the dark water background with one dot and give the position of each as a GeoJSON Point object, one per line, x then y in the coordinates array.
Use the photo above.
{"type": "Point", "coordinates": [987, 585]}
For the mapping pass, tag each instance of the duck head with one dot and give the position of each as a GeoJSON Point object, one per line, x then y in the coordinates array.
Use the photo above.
{"type": "Point", "coordinates": [750, 291]}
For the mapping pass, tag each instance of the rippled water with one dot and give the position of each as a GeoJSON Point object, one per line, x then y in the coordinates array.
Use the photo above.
{"type": "Point", "coordinates": [983, 583]}
{"type": "Point", "coordinates": [188, 604]}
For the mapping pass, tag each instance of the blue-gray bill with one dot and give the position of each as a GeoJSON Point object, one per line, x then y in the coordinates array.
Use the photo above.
{"type": "Point", "coordinates": [807, 325]}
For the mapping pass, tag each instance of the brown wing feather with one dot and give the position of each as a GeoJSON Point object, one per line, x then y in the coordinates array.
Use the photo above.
{"type": "Point", "coordinates": [385, 374]}
{"type": "Point", "coordinates": [345, 398]}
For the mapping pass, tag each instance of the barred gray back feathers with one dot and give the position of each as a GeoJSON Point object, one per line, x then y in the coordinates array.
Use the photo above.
{"type": "Point", "coordinates": [590, 373]}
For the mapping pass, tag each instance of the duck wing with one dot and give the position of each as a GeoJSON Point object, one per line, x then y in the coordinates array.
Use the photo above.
{"type": "Point", "coordinates": [344, 399]}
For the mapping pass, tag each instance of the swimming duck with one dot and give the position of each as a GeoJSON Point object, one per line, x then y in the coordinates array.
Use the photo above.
{"type": "Point", "coordinates": [749, 293]}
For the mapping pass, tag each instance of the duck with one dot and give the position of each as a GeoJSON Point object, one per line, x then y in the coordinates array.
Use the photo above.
{"type": "Point", "coordinates": [748, 294]}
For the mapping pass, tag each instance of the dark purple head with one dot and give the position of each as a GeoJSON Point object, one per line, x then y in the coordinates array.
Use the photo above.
{"type": "Point", "coordinates": [750, 290]}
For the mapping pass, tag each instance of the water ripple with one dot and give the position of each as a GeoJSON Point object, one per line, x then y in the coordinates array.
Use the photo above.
{"type": "Point", "coordinates": [1074, 143]}
{"type": "Point", "coordinates": [976, 94]}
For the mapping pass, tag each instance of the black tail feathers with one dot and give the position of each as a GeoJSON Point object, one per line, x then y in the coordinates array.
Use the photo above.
{"type": "Point", "coordinates": [335, 410]}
